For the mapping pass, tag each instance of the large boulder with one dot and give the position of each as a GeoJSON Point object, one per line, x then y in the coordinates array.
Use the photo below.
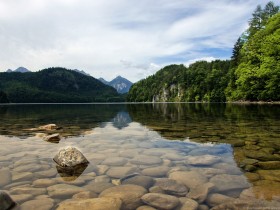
{"type": "Point", "coordinates": [6, 202]}
{"type": "Point", "coordinates": [70, 157]}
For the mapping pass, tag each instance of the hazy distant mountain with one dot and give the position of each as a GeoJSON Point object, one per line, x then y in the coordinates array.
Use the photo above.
{"type": "Point", "coordinates": [103, 81]}
{"type": "Point", "coordinates": [81, 72]}
{"type": "Point", "coordinates": [121, 84]}
{"type": "Point", "coordinates": [19, 69]}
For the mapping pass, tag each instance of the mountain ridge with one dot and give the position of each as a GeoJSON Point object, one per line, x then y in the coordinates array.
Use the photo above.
{"type": "Point", "coordinates": [121, 84]}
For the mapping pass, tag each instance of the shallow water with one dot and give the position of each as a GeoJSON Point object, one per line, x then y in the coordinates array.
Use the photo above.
{"type": "Point", "coordinates": [225, 149]}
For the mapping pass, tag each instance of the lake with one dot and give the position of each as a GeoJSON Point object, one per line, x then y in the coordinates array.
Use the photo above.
{"type": "Point", "coordinates": [166, 156]}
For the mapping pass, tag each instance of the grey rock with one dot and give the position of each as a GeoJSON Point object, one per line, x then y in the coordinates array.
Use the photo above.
{"type": "Point", "coordinates": [146, 160]}
{"type": "Point", "coordinates": [63, 190]}
{"type": "Point", "coordinates": [200, 193]}
{"type": "Point", "coordinates": [160, 201]}
{"type": "Point", "coordinates": [188, 204]}
{"type": "Point", "coordinates": [70, 157]}
{"type": "Point", "coordinates": [28, 190]}
{"type": "Point", "coordinates": [216, 199]}
{"type": "Point", "coordinates": [21, 198]}
{"type": "Point", "coordinates": [145, 208]}
{"type": "Point", "coordinates": [129, 194]}
{"type": "Point", "coordinates": [121, 171]}
{"type": "Point", "coordinates": [85, 195]}
{"type": "Point", "coordinates": [171, 187]}
{"type": "Point", "coordinates": [190, 179]}
{"type": "Point", "coordinates": [42, 204]}
{"type": "Point", "coordinates": [55, 138]}
{"type": "Point", "coordinates": [144, 181]}
{"type": "Point", "coordinates": [6, 201]}
{"type": "Point", "coordinates": [225, 182]}
{"type": "Point", "coordinates": [114, 161]}
{"type": "Point", "coordinates": [5, 175]}
{"type": "Point", "coordinates": [202, 160]}
{"type": "Point", "coordinates": [159, 171]}
{"type": "Point", "coordinates": [93, 203]}
{"type": "Point", "coordinates": [98, 187]}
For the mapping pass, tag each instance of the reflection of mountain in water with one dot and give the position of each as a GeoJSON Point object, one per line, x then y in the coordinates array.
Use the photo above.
{"type": "Point", "coordinates": [121, 120]}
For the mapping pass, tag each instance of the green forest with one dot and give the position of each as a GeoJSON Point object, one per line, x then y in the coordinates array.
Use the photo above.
{"type": "Point", "coordinates": [54, 85]}
{"type": "Point", "coordinates": [252, 73]}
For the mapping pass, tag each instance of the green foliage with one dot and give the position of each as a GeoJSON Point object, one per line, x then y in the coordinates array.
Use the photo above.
{"type": "Point", "coordinates": [258, 74]}
{"type": "Point", "coordinates": [56, 85]}
{"type": "Point", "coordinates": [201, 81]}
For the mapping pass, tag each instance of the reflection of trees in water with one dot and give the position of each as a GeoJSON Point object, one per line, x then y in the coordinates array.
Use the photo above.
{"type": "Point", "coordinates": [74, 119]}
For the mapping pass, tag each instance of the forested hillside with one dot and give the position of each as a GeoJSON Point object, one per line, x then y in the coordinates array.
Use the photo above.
{"type": "Point", "coordinates": [252, 74]}
{"type": "Point", "coordinates": [54, 85]}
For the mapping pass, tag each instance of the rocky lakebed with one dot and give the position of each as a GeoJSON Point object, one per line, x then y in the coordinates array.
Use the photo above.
{"type": "Point", "coordinates": [132, 168]}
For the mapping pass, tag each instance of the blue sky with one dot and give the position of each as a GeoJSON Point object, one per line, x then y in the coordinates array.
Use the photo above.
{"type": "Point", "coordinates": [131, 38]}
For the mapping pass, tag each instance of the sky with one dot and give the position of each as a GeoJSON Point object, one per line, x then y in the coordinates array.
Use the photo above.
{"type": "Point", "coordinates": [131, 38]}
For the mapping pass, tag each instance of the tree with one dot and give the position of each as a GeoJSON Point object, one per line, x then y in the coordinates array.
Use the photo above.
{"type": "Point", "coordinates": [3, 97]}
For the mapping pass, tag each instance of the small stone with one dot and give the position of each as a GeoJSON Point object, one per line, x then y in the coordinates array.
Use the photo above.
{"type": "Point", "coordinates": [5, 175]}
{"type": "Point", "coordinates": [188, 204]}
{"type": "Point", "coordinates": [21, 198]}
{"type": "Point", "coordinates": [103, 178]}
{"type": "Point", "coordinates": [102, 169]}
{"type": "Point", "coordinates": [160, 201]}
{"type": "Point", "coordinates": [269, 165]}
{"type": "Point", "coordinates": [114, 161]}
{"type": "Point", "coordinates": [200, 193]}
{"type": "Point", "coordinates": [144, 181]}
{"type": "Point", "coordinates": [44, 182]}
{"type": "Point", "coordinates": [121, 171]}
{"type": "Point", "coordinates": [23, 176]}
{"type": "Point", "coordinates": [129, 194]}
{"type": "Point", "coordinates": [55, 138]}
{"type": "Point", "coordinates": [46, 174]}
{"type": "Point", "coordinates": [156, 189]}
{"type": "Point", "coordinates": [203, 207]}
{"type": "Point", "coordinates": [273, 175]}
{"type": "Point", "coordinates": [98, 187]}
{"type": "Point", "coordinates": [93, 203]}
{"type": "Point", "coordinates": [48, 127]}
{"type": "Point", "coordinates": [28, 190]}
{"type": "Point", "coordinates": [216, 199]}
{"type": "Point", "coordinates": [145, 208]}
{"type": "Point", "coordinates": [6, 201]}
{"type": "Point", "coordinates": [171, 187]}
{"type": "Point", "coordinates": [159, 171]}
{"type": "Point", "coordinates": [146, 160]}
{"type": "Point", "coordinates": [70, 157]}
{"type": "Point", "coordinates": [226, 182]}
{"type": "Point", "coordinates": [202, 160]}
{"type": "Point", "coordinates": [42, 204]}
{"type": "Point", "coordinates": [85, 195]}
{"type": "Point", "coordinates": [190, 179]}
{"type": "Point", "coordinates": [63, 190]}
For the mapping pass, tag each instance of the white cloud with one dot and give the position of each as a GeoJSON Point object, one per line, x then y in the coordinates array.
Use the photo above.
{"type": "Point", "coordinates": [96, 35]}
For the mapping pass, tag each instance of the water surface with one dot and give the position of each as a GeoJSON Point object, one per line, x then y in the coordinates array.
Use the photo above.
{"type": "Point", "coordinates": [235, 148]}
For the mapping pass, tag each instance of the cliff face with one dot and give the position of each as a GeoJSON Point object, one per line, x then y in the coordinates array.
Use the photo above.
{"type": "Point", "coordinates": [169, 94]}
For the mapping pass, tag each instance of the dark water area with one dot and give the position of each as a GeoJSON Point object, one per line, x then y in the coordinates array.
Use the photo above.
{"type": "Point", "coordinates": [204, 155]}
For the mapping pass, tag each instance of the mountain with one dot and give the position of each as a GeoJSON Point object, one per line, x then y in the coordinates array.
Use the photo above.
{"type": "Point", "coordinates": [81, 72]}
{"type": "Point", "coordinates": [121, 84]}
{"type": "Point", "coordinates": [103, 81]}
{"type": "Point", "coordinates": [19, 69]}
{"type": "Point", "coordinates": [55, 85]}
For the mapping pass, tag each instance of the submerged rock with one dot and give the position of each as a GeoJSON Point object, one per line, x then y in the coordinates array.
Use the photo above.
{"type": "Point", "coordinates": [129, 194]}
{"type": "Point", "coordinates": [171, 187]}
{"type": "Point", "coordinates": [160, 201]}
{"type": "Point", "coordinates": [70, 157]}
{"type": "Point", "coordinates": [54, 138]}
{"type": "Point", "coordinates": [93, 203]}
{"type": "Point", "coordinates": [6, 202]}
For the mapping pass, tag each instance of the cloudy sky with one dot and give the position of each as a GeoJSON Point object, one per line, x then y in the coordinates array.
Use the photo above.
{"type": "Point", "coordinates": [132, 38]}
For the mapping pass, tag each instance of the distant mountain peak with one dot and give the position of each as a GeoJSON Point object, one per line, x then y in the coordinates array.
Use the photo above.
{"type": "Point", "coordinates": [19, 69]}
{"type": "Point", "coordinates": [121, 84]}
{"type": "Point", "coordinates": [81, 72]}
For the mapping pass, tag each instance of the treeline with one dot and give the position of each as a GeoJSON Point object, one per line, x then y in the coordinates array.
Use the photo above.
{"type": "Point", "coordinates": [252, 74]}
{"type": "Point", "coordinates": [54, 85]}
